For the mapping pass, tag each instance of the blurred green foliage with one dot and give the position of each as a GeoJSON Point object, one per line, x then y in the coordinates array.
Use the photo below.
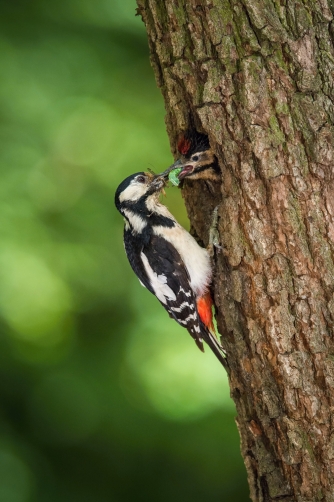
{"type": "Point", "coordinates": [103, 397]}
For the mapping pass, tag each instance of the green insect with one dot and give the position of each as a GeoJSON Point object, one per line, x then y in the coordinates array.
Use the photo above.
{"type": "Point", "coordinates": [173, 176]}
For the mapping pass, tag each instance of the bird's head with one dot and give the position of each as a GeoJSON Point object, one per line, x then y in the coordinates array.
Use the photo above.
{"type": "Point", "coordinates": [197, 158]}
{"type": "Point", "coordinates": [139, 189]}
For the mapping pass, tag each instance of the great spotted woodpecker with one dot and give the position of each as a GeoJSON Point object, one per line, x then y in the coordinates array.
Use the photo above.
{"type": "Point", "coordinates": [166, 258]}
{"type": "Point", "coordinates": [197, 159]}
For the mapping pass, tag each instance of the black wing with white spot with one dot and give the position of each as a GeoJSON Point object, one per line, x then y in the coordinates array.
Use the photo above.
{"type": "Point", "coordinates": [161, 270]}
{"type": "Point", "coordinates": [181, 305]}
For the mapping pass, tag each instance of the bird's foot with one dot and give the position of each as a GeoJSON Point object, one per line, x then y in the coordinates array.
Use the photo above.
{"type": "Point", "coordinates": [214, 241]}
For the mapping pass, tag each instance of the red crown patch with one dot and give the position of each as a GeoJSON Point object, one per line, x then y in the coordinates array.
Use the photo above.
{"type": "Point", "coordinates": [183, 145]}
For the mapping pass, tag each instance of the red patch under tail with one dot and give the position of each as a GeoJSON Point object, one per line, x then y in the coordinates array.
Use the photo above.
{"type": "Point", "coordinates": [204, 307]}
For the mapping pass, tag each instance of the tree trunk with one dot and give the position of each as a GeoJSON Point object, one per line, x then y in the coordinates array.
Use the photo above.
{"type": "Point", "coordinates": [257, 77]}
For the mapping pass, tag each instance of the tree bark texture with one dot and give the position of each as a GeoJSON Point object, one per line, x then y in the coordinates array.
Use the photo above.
{"type": "Point", "coordinates": [257, 77]}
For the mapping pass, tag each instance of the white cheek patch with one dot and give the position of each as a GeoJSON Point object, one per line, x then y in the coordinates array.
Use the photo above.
{"type": "Point", "coordinates": [137, 223]}
{"type": "Point", "coordinates": [158, 282]}
{"type": "Point", "coordinates": [133, 192]}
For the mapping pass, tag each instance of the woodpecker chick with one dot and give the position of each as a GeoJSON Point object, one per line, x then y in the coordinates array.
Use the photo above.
{"type": "Point", "coordinates": [166, 258]}
{"type": "Point", "coordinates": [197, 158]}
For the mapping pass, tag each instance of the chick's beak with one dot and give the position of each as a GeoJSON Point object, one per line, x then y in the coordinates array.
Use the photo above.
{"type": "Point", "coordinates": [186, 170]}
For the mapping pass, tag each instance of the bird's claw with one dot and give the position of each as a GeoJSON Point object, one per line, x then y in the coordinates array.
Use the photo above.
{"type": "Point", "coordinates": [214, 241]}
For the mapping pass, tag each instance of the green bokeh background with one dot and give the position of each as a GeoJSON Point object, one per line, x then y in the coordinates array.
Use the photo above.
{"type": "Point", "coordinates": [103, 397]}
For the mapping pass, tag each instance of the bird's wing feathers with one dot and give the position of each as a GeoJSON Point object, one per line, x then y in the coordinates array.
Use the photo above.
{"type": "Point", "coordinates": [133, 249]}
{"type": "Point", "coordinates": [171, 283]}
{"type": "Point", "coordinates": [161, 270]}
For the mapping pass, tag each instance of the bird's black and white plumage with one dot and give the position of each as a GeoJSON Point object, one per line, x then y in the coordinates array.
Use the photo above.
{"type": "Point", "coordinates": [166, 258]}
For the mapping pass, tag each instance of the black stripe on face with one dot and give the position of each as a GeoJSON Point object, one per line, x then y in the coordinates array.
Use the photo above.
{"type": "Point", "coordinates": [203, 168]}
{"type": "Point", "coordinates": [153, 218]}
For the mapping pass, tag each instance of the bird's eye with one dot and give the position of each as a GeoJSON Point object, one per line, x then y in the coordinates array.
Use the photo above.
{"type": "Point", "coordinates": [195, 158]}
{"type": "Point", "coordinates": [141, 179]}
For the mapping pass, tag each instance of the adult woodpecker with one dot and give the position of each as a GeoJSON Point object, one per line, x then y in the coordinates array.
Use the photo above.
{"type": "Point", "coordinates": [197, 159]}
{"type": "Point", "coordinates": [166, 258]}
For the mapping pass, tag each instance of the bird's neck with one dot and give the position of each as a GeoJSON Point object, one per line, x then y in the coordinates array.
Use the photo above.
{"type": "Point", "coordinates": [149, 213]}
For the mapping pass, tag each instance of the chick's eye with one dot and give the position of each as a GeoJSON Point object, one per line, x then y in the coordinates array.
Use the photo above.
{"type": "Point", "coordinates": [141, 179]}
{"type": "Point", "coordinates": [195, 158]}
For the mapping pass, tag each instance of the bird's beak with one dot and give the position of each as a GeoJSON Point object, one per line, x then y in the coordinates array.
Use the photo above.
{"type": "Point", "coordinates": [186, 170]}
{"type": "Point", "coordinates": [176, 165]}
{"type": "Point", "coordinates": [160, 180]}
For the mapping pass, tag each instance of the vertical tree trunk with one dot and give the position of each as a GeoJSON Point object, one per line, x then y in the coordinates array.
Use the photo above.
{"type": "Point", "coordinates": [257, 77]}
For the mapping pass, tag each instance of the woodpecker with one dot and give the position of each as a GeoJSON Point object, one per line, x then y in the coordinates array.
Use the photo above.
{"type": "Point", "coordinates": [197, 158]}
{"type": "Point", "coordinates": [166, 258]}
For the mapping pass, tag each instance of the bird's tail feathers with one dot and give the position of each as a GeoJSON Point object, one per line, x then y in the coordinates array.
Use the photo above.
{"type": "Point", "coordinates": [214, 345]}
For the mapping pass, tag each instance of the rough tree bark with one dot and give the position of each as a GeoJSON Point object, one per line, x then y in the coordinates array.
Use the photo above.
{"type": "Point", "coordinates": [257, 77]}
